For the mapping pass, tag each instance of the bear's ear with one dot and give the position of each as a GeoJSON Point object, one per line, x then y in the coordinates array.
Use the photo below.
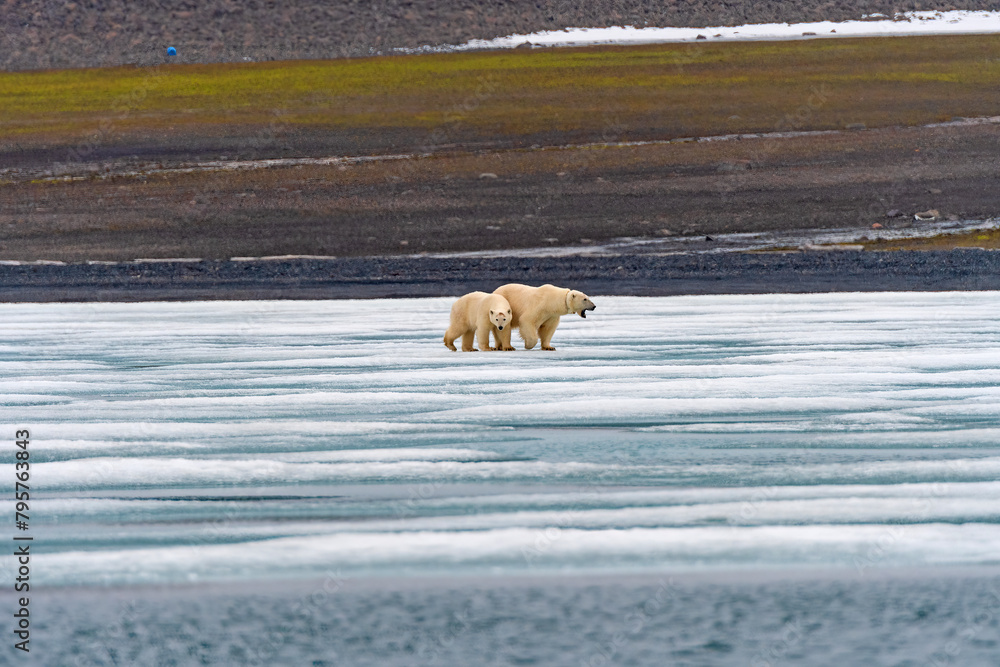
{"type": "Point", "coordinates": [491, 312]}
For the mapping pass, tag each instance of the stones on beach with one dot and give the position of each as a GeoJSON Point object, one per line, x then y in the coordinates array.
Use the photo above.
{"type": "Point", "coordinates": [665, 232]}
{"type": "Point", "coordinates": [927, 216]}
{"type": "Point", "coordinates": [737, 165]}
{"type": "Point", "coordinates": [487, 175]}
{"type": "Point", "coordinates": [877, 225]}
{"type": "Point", "coordinates": [701, 37]}
{"type": "Point", "coordinates": [894, 213]}
{"type": "Point", "coordinates": [855, 126]}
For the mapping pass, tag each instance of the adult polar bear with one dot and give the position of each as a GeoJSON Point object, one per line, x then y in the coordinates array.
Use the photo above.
{"type": "Point", "coordinates": [475, 315]}
{"type": "Point", "coordinates": [536, 311]}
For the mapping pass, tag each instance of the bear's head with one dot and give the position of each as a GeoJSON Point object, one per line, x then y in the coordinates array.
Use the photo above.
{"type": "Point", "coordinates": [578, 302]}
{"type": "Point", "coordinates": [500, 318]}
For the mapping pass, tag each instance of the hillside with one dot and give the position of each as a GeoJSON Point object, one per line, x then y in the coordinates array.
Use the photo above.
{"type": "Point", "coordinates": [48, 34]}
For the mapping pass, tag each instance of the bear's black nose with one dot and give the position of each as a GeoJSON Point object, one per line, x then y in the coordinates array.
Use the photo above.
{"type": "Point", "coordinates": [500, 328]}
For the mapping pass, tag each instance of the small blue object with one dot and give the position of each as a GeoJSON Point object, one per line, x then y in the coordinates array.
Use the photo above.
{"type": "Point", "coordinates": [171, 51]}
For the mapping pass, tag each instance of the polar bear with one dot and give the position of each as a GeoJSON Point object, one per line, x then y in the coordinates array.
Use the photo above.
{"type": "Point", "coordinates": [537, 311]}
{"type": "Point", "coordinates": [475, 315]}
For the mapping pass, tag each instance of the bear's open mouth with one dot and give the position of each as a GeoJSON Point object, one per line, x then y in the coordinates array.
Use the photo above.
{"type": "Point", "coordinates": [583, 313]}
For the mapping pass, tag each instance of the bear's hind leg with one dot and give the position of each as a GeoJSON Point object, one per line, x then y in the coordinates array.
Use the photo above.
{"type": "Point", "coordinates": [468, 338]}
{"type": "Point", "coordinates": [449, 339]}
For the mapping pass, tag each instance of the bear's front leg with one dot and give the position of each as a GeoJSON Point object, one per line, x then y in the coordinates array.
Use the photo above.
{"type": "Point", "coordinates": [483, 339]}
{"type": "Point", "coordinates": [529, 333]}
{"type": "Point", "coordinates": [545, 332]}
{"type": "Point", "coordinates": [503, 339]}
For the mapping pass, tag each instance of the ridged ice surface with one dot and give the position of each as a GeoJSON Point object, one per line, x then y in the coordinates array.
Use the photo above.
{"type": "Point", "coordinates": [176, 442]}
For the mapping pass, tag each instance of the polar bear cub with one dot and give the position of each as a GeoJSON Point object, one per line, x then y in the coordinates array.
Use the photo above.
{"type": "Point", "coordinates": [475, 315]}
{"type": "Point", "coordinates": [537, 311]}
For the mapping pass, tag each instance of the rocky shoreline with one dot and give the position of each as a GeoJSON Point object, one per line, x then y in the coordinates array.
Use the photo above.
{"type": "Point", "coordinates": [409, 277]}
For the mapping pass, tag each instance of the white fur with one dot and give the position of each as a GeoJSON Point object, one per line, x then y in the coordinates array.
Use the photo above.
{"type": "Point", "coordinates": [475, 315]}
{"type": "Point", "coordinates": [536, 311]}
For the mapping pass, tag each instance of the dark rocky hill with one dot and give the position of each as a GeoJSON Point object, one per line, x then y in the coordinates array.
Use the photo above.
{"type": "Point", "coordinates": [88, 33]}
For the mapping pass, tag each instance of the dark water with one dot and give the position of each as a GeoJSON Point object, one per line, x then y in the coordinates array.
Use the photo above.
{"type": "Point", "coordinates": [915, 618]}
